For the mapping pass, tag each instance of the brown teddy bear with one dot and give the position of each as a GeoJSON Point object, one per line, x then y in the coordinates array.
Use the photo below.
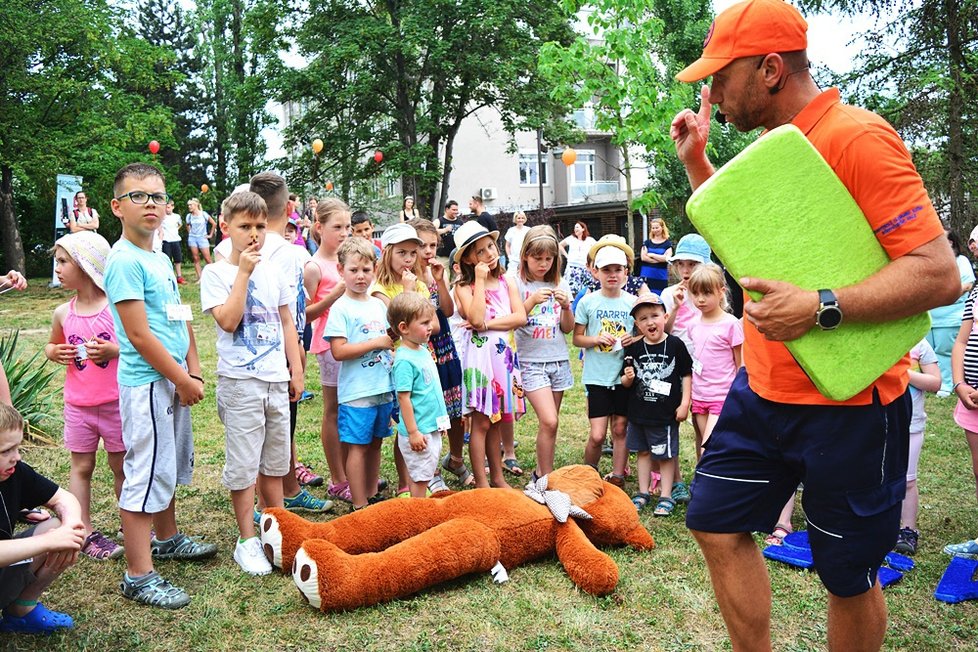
{"type": "Point", "coordinates": [399, 547]}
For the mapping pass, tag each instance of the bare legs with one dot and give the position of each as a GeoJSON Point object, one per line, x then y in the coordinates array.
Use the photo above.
{"type": "Point", "coordinates": [546, 405]}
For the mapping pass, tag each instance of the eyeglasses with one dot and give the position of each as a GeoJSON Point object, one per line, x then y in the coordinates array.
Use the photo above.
{"type": "Point", "coordinates": [139, 197]}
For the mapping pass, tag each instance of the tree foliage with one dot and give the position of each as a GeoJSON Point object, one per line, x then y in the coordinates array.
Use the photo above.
{"type": "Point", "coordinates": [401, 75]}
{"type": "Point", "coordinates": [919, 70]}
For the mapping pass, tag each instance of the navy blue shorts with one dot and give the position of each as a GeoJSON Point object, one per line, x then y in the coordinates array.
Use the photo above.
{"type": "Point", "coordinates": [851, 459]}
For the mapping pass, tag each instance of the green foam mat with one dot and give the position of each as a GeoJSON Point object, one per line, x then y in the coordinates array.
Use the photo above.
{"type": "Point", "coordinates": [778, 211]}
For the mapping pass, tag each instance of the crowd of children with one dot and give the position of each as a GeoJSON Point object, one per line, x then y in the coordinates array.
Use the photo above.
{"type": "Point", "coordinates": [385, 322]}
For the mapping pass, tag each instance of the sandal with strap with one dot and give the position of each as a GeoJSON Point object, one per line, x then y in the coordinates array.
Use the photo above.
{"type": "Point", "coordinates": [664, 507]}
{"type": "Point", "coordinates": [641, 500]}
{"type": "Point", "coordinates": [512, 465]}
{"type": "Point", "coordinates": [615, 479]}
{"type": "Point", "coordinates": [776, 538]}
{"type": "Point", "coordinates": [460, 471]}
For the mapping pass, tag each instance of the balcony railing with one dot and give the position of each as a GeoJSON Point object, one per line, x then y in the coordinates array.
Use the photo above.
{"type": "Point", "coordinates": [580, 192]}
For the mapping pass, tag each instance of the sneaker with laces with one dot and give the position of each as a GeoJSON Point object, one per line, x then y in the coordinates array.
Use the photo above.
{"type": "Point", "coordinates": [907, 541]}
{"type": "Point", "coordinates": [305, 501]}
{"type": "Point", "coordinates": [182, 547]}
{"type": "Point", "coordinates": [251, 558]}
{"type": "Point", "coordinates": [968, 549]}
{"type": "Point", "coordinates": [680, 492]}
{"type": "Point", "coordinates": [304, 476]}
{"type": "Point", "coordinates": [154, 591]}
{"type": "Point", "coordinates": [99, 546]}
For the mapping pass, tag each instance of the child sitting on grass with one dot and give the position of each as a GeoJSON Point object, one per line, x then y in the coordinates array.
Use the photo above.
{"type": "Point", "coordinates": [424, 416]}
{"type": "Point", "coordinates": [255, 336]}
{"type": "Point", "coordinates": [658, 371]}
{"type": "Point", "coordinates": [31, 560]}
{"type": "Point", "coordinates": [83, 339]}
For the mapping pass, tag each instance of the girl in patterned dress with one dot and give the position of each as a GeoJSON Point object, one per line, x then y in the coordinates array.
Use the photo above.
{"type": "Point", "coordinates": [491, 381]}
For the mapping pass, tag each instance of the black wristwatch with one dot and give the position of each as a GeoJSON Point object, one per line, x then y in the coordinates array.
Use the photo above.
{"type": "Point", "coordinates": [829, 315]}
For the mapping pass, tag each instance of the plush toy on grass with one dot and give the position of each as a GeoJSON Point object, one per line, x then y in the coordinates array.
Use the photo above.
{"type": "Point", "coordinates": [399, 547]}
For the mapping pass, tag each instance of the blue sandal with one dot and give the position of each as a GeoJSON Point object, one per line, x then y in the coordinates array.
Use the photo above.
{"type": "Point", "coordinates": [664, 507]}
{"type": "Point", "coordinates": [39, 620]}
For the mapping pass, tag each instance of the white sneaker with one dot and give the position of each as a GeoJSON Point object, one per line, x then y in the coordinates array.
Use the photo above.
{"type": "Point", "coordinates": [250, 557]}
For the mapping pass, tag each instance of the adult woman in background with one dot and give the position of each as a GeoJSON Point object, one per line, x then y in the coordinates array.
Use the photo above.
{"type": "Point", "coordinates": [82, 218]}
{"type": "Point", "coordinates": [576, 248]}
{"type": "Point", "coordinates": [655, 256]}
{"type": "Point", "coordinates": [200, 230]}
{"type": "Point", "coordinates": [408, 211]}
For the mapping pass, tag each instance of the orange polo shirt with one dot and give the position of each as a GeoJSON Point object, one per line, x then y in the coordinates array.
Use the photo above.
{"type": "Point", "coordinates": [874, 164]}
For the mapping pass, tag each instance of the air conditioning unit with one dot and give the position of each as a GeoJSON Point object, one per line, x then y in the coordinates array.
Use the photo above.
{"type": "Point", "coordinates": [488, 193]}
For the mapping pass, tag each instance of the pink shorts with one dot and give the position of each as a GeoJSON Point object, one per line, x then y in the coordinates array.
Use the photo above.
{"type": "Point", "coordinates": [967, 419]}
{"type": "Point", "coordinates": [706, 407]}
{"type": "Point", "coordinates": [329, 369]}
{"type": "Point", "coordinates": [84, 426]}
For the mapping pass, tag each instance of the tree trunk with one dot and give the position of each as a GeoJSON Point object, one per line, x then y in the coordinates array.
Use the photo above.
{"type": "Point", "coordinates": [13, 246]}
{"type": "Point", "coordinates": [629, 222]}
{"type": "Point", "coordinates": [955, 105]}
{"type": "Point", "coordinates": [219, 114]}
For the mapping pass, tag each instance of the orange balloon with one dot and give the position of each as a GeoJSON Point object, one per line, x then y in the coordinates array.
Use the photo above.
{"type": "Point", "coordinates": [317, 146]}
{"type": "Point", "coordinates": [569, 156]}
{"type": "Point", "coordinates": [204, 187]}
{"type": "Point", "coordinates": [329, 185]}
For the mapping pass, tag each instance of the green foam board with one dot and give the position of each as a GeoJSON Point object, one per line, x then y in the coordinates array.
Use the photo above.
{"type": "Point", "coordinates": [778, 211]}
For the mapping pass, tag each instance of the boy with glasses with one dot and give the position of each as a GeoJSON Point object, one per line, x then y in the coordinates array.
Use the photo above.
{"type": "Point", "coordinates": [159, 379]}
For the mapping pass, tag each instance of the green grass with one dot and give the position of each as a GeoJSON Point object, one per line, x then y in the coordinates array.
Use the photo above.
{"type": "Point", "coordinates": [663, 601]}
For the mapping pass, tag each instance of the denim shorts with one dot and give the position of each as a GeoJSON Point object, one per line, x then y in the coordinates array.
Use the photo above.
{"type": "Point", "coordinates": [852, 460]}
{"type": "Point", "coordinates": [555, 375]}
{"type": "Point", "coordinates": [198, 241]}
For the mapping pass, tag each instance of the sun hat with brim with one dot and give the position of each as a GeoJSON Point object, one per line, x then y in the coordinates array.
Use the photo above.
{"type": "Point", "coordinates": [610, 256]}
{"type": "Point", "coordinates": [974, 235]}
{"type": "Point", "coordinates": [469, 233]}
{"type": "Point", "coordinates": [89, 250]}
{"type": "Point", "coordinates": [748, 29]}
{"type": "Point", "coordinates": [611, 240]}
{"type": "Point", "coordinates": [650, 299]}
{"type": "Point", "coordinates": [693, 247]}
{"type": "Point", "coordinates": [398, 233]}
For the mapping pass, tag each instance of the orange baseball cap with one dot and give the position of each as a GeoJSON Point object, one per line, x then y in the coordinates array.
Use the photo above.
{"type": "Point", "coordinates": [748, 29]}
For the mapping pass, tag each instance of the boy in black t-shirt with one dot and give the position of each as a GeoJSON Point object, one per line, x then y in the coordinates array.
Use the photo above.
{"type": "Point", "coordinates": [31, 560]}
{"type": "Point", "coordinates": [659, 371]}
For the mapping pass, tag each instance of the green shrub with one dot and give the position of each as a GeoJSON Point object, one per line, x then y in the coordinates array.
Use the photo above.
{"type": "Point", "coordinates": [30, 387]}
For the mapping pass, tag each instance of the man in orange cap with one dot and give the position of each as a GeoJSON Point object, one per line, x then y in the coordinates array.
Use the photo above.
{"type": "Point", "coordinates": [776, 429]}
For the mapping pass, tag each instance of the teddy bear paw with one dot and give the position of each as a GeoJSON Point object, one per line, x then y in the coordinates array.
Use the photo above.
{"type": "Point", "coordinates": [271, 539]}
{"type": "Point", "coordinates": [305, 574]}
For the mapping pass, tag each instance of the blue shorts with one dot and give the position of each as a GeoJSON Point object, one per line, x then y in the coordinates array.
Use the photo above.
{"type": "Point", "coordinates": [851, 459]}
{"type": "Point", "coordinates": [198, 242]}
{"type": "Point", "coordinates": [361, 425]}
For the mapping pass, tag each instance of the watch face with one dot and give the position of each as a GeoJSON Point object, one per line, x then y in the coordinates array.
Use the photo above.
{"type": "Point", "coordinates": [829, 317]}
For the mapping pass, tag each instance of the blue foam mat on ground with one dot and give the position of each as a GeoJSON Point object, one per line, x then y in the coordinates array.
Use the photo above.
{"type": "Point", "coordinates": [958, 584]}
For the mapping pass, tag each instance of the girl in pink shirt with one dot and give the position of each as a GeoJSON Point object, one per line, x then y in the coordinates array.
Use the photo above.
{"type": "Point", "coordinates": [83, 339]}
{"type": "Point", "coordinates": [323, 284]}
{"type": "Point", "coordinates": [716, 338]}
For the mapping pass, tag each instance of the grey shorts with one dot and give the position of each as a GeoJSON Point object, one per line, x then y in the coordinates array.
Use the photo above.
{"type": "Point", "coordinates": [329, 369]}
{"type": "Point", "coordinates": [159, 446]}
{"type": "Point", "coordinates": [255, 414]}
{"type": "Point", "coordinates": [16, 577]}
{"type": "Point", "coordinates": [421, 466]}
{"type": "Point", "coordinates": [555, 375]}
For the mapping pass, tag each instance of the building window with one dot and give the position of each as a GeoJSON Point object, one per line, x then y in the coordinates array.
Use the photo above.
{"type": "Point", "coordinates": [532, 164]}
{"type": "Point", "coordinates": [583, 168]}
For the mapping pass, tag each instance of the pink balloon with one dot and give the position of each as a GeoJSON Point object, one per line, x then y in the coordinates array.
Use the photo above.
{"type": "Point", "coordinates": [154, 147]}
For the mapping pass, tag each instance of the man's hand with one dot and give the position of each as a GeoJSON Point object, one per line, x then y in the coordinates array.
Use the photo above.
{"type": "Point", "coordinates": [691, 131]}
{"type": "Point", "coordinates": [784, 313]}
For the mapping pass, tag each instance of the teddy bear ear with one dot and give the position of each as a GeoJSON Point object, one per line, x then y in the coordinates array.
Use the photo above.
{"type": "Point", "coordinates": [579, 481]}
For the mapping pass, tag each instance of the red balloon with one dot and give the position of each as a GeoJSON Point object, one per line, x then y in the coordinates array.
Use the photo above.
{"type": "Point", "coordinates": [154, 147]}
{"type": "Point", "coordinates": [378, 156]}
